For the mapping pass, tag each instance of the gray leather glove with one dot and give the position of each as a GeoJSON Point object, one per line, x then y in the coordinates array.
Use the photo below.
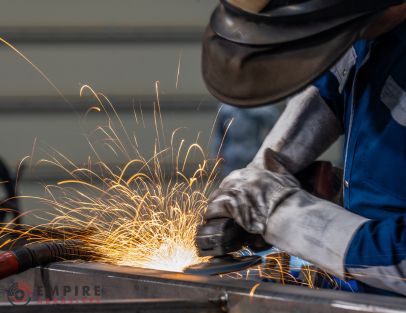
{"type": "Point", "coordinates": [249, 196]}
{"type": "Point", "coordinates": [305, 130]}
{"type": "Point", "coordinates": [272, 204]}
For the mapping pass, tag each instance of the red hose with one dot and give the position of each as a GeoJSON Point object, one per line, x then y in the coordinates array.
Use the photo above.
{"type": "Point", "coordinates": [39, 254]}
{"type": "Point", "coordinates": [8, 264]}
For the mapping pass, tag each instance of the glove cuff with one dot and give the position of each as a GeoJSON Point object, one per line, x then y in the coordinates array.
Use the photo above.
{"type": "Point", "coordinates": [313, 229]}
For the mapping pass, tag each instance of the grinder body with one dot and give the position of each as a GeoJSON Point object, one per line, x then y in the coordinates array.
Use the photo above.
{"type": "Point", "coordinates": [221, 236]}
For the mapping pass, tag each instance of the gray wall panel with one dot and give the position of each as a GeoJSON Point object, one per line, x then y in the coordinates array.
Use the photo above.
{"type": "Point", "coordinates": [105, 12]}
{"type": "Point", "coordinates": [112, 69]}
{"type": "Point", "coordinates": [66, 133]}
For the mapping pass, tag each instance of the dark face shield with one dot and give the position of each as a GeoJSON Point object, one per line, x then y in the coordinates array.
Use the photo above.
{"type": "Point", "coordinates": [252, 59]}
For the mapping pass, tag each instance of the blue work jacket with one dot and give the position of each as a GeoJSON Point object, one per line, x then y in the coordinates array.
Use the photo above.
{"type": "Point", "coordinates": [367, 91]}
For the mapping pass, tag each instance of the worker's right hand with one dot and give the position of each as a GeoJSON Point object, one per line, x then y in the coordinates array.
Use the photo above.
{"type": "Point", "coordinates": [250, 195]}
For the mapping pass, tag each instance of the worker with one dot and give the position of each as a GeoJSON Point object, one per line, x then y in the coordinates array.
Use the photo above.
{"type": "Point", "coordinates": [345, 63]}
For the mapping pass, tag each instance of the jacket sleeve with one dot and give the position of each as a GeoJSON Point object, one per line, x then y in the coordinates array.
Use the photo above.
{"type": "Point", "coordinates": [377, 254]}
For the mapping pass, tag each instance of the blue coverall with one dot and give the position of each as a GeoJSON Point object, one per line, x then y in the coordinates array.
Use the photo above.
{"type": "Point", "coordinates": [367, 91]}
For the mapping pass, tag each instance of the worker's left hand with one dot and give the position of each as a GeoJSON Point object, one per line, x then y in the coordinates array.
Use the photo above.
{"type": "Point", "coordinates": [250, 195]}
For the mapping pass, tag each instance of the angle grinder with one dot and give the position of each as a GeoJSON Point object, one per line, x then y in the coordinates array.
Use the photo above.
{"type": "Point", "coordinates": [222, 238]}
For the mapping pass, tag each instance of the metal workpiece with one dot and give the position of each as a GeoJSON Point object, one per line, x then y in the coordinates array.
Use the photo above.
{"type": "Point", "coordinates": [159, 291]}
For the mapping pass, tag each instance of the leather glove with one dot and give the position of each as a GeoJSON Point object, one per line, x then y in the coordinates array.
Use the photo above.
{"type": "Point", "coordinates": [273, 205]}
{"type": "Point", "coordinates": [305, 130]}
{"type": "Point", "coordinates": [249, 196]}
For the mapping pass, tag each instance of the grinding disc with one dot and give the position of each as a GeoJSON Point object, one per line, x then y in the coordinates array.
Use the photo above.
{"type": "Point", "coordinates": [223, 265]}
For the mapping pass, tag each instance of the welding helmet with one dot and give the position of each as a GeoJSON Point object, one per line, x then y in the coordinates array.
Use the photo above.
{"type": "Point", "coordinates": [256, 52]}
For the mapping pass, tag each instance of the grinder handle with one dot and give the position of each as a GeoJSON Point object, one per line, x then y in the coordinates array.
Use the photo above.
{"type": "Point", "coordinates": [218, 237]}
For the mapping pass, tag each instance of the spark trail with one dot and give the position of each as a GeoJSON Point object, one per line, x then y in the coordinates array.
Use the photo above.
{"type": "Point", "coordinates": [136, 215]}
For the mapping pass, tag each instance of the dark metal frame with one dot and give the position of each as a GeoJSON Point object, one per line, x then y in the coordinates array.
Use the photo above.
{"type": "Point", "coordinates": [123, 103]}
{"type": "Point", "coordinates": [100, 35]}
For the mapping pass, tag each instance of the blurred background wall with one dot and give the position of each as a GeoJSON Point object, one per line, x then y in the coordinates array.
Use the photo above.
{"type": "Point", "coordinates": [120, 48]}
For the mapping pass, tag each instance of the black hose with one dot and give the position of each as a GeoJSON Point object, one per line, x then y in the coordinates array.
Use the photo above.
{"type": "Point", "coordinates": [40, 254]}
